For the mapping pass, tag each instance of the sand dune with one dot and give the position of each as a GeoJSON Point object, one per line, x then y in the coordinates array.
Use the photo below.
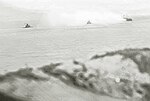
{"type": "Point", "coordinates": [114, 76]}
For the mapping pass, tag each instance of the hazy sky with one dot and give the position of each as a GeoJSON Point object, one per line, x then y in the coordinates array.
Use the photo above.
{"type": "Point", "coordinates": [110, 4]}
{"type": "Point", "coordinates": [62, 12]}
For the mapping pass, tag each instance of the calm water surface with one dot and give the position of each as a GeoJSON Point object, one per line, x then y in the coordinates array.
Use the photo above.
{"type": "Point", "coordinates": [39, 47]}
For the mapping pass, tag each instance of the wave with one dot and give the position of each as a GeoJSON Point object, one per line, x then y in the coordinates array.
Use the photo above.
{"type": "Point", "coordinates": [122, 74]}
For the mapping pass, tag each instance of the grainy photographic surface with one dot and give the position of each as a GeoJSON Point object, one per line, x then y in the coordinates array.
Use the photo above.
{"type": "Point", "coordinates": [74, 50]}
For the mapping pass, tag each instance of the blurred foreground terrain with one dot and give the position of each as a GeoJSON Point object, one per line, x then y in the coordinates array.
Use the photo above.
{"type": "Point", "coordinates": [121, 75]}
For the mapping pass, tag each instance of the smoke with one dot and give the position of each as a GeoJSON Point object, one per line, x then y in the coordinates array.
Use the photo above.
{"type": "Point", "coordinates": [68, 13]}
{"type": "Point", "coordinates": [80, 18]}
{"type": "Point", "coordinates": [78, 12]}
{"type": "Point", "coordinates": [78, 15]}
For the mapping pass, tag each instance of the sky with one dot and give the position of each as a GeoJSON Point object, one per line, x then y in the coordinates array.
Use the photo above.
{"type": "Point", "coordinates": [77, 12]}
{"type": "Point", "coordinates": [75, 4]}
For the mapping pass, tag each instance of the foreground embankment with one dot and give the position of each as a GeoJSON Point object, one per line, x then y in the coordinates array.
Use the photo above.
{"type": "Point", "coordinates": [114, 76]}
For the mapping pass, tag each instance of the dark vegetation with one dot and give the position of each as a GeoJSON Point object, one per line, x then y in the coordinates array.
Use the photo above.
{"type": "Point", "coordinates": [147, 93]}
{"type": "Point", "coordinates": [139, 56]}
{"type": "Point", "coordinates": [25, 73]}
{"type": "Point", "coordinates": [6, 97]}
{"type": "Point", "coordinates": [94, 82]}
{"type": "Point", "coordinates": [143, 63]}
{"type": "Point", "coordinates": [76, 79]}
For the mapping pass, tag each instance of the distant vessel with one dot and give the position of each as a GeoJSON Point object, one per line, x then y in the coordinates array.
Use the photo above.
{"type": "Point", "coordinates": [27, 26]}
{"type": "Point", "coordinates": [127, 18]}
{"type": "Point", "coordinates": [89, 22]}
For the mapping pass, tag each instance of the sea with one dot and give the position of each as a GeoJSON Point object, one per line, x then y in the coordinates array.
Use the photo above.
{"type": "Point", "coordinates": [35, 47]}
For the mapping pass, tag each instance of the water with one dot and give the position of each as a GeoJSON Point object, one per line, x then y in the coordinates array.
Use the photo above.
{"type": "Point", "coordinates": [39, 47]}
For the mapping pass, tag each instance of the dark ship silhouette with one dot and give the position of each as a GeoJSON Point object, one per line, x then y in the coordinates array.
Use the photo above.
{"type": "Point", "coordinates": [127, 18]}
{"type": "Point", "coordinates": [89, 22]}
{"type": "Point", "coordinates": [27, 26]}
